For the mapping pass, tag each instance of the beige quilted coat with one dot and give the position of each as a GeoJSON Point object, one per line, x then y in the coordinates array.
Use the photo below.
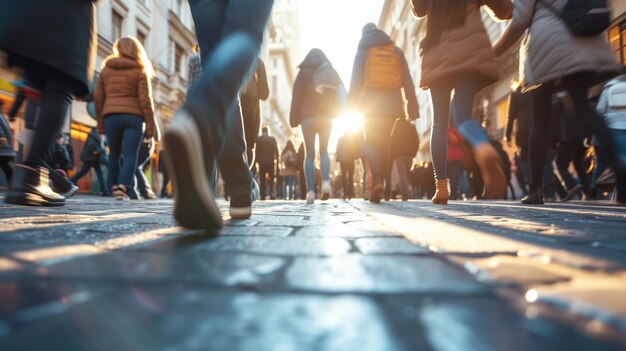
{"type": "Point", "coordinates": [550, 51]}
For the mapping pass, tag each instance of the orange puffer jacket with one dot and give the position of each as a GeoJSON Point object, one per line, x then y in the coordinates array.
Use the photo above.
{"type": "Point", "coordinates": [123, 87]}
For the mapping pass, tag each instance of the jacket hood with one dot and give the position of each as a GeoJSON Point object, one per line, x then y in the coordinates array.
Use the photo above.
{"type": "Point", "coordinates": [314, 58]}
{"type": "Point", "coordinates": [122, 63]}
{"type": "Point", "coordinates": [373, 38]}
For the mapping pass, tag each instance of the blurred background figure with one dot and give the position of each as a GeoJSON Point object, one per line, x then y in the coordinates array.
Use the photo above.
{"type": "Point", "coordinates": [289, 171]}
{"type": "Point", "coordinates": [349, 149]}
{"type": "Point", "coordinates": [7, 154]}
{"type": "Point", "coordinates": [93, 156]}
{"type": "Point", "coordinates": [267, 158]}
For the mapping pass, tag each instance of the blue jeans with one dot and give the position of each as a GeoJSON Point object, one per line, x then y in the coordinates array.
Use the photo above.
{"type": "Point", "coordinates": [310, 128]}
{"type": "Point", "coordinates": [124, 134]}
{"type": "Point", "coordinates": [290, 186]}
{"type": "Point", "coordinates": [456, 168]}
{"type": "Point", "coordinates": [229, 33]}
{"type": "Point", "coordinates": [619, 138]}
{"type": "Point", "coordinates": [472, 131]}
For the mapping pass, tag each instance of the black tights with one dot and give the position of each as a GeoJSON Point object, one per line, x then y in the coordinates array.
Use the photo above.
{"type": "Point", "coordinates": [576, 85]}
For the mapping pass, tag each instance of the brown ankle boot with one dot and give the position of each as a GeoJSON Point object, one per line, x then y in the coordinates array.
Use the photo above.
{"type": "Point", "coordinates": [442, 194]}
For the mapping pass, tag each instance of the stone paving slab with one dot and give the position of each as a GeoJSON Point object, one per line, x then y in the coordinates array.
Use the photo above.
{"type": "Point", "coordinates": [380, 274]}
{"type": "Point", "coordinates": [289, 246]}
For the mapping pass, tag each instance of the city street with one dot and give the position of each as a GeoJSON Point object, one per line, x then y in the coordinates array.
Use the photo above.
{"type": "Point", "coordinates": [104, 275]}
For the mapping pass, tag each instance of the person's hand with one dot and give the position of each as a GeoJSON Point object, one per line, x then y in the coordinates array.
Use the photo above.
{"type": "Point", "coordinates": [4, 140]}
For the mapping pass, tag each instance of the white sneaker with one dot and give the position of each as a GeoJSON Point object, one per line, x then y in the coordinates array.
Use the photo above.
{"type": "Point", "coordinates": [310, 197]}
{"type": "Point", "coordinates": [325, 190]}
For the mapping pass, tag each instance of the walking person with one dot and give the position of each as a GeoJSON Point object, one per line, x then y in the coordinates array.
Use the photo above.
{"type": "Point", "coordinates": [554, 55]}
{"type": "Point", "coordinates": [267, 158]}
{"type": "Point", "coordinates": [289, 171]}
{"type": "Point", "coordinates": [457, 56]}
{"type": "Point", "coordinates": [7, 153]}
{"type": "Point", "coordinates": [520, 116]}
{"type": "Point", "coordinates": [93, 156]}
{"type": "Point", "coordinates": [58, 69]}
{"type": "Point", "coordinates": [380, 88]}
{"type": "Point", "coordinates": [124, 109]}
{"type": "Point", "coordinates": [349, 149]}
{"type": "Point", "coordinates": [314, 111]}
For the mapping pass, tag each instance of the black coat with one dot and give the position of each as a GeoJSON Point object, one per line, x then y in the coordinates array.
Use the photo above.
{"type": "Point", "coordinates": [266, 150]}
{"type": "Point", "coordinates": [60, 34]}
{"type": "Point", "coordinates": [381, 102]}
{"type": "Point", "coordinates": [520, 111]}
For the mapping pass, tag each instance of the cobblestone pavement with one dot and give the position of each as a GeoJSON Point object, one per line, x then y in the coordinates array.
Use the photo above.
{"type": "Point", "coordinates": [104, 275]}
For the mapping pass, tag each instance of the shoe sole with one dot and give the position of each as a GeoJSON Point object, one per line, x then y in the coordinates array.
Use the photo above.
{"type": "Point", "coordinates": [240, 212]}
{"type": "Point", "coordinates": [26, 199]}
{"type": "Point", "coordinates": [194, 201]}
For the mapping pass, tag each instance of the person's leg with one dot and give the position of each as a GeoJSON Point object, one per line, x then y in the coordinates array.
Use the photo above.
{"type": "Point", "coordinates": [343, 168]}
{"type": "Point", "coordinates": [81, 173]}
{"type": "Point", "coordinates": [440, 96]}
{"type": "Point", "coordinates": [5, 163]}
{"type": "Point", "coordinates": [455, 171]}
{"type": "Point", "coordinates": [262, 181]}
{"type": "Point", "coordinates": [132, 137]}
{"type": "Point", "coordinates": [324, 130]}
{"type": "Point", "coordinates": [385, 155]}
{"type": "Point", "coordinates": [564, 156]}
{"type": "Point", "coordinates": [142, 183]}
{"type": "Point", "coordinates": [230, 35]}
{"type": "Point", "coordinates": [350, 179]}
{"type": "Point", "coordinates": [103, 185]}
{"type": "Point", "coordinates": [403, 165]}
{"type": "Point", "coordinates": [309, 133]}
{"type": "Point", "coordinates": [541, 103]}
{"type": "Point", "coordinates": [580, 153]}
{"type": "Point", "coordinates": [114, 131]}
{"type": "Point", "coordinates": [271, 172]}
{"type": "Point", "coordinates": [577, 85]}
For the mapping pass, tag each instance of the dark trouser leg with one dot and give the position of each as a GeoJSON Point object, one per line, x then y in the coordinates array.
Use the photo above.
{"type": "Point", "coordinates": [57, 89]}
{"type": "Point", "coordinates": [103, 185]}
{"type": "Point", "coordinates": [142, 183]}
{"type": "Point", "coordinates": [309, 131]}
{"type": "Point", "coordinates": [232, 161]}
{"type": "Point", "coordinates": [564, 157]}
{"type": "Point", "coordinates": [166, 181]}
{"type": "Point", "coordinates": [264, 169]}
{"type": "Point", "coordinates": [455, 172]}
{"type": "Point", "coordinates": [541, 98]}
{"type": "Point", "coordinates": [5, 164]}
{"type": "Point", "coordinates": [82, 172]}
{"type": "Point", "coordinates": [403, 165]}
{"type": "Point", "coordinates": [579, 166]}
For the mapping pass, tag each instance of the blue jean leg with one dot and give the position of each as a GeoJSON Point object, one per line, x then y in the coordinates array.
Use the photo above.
{"type": "Point", "coordinates": [230, 33]}
{"type": "Point", "coordinates": [124, 133]}
{"type": "Point", "coordinates": [462, 104]}
{"type": "Point", "coordinates": [310, 128]}
{"type": "Point", "coordinates": [440, 96]}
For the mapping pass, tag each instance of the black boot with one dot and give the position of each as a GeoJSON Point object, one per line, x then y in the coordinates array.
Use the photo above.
{"type": "Point", "coordinates": [30, 187]}
{"type": "Point", "coordinates": [534, 197]}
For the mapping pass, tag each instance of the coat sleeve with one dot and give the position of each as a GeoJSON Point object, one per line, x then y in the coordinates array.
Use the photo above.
{"type": "Point", "coordinates": [522, 17]}
{"type": "Point", "coordinates": [502, 9]}
{"type": "Point", "coordinates": [513, 111]}
{"type": "Point", "coordinates": [411, 110]}
{"type": "Point", "coordinates": [145, 102]}
{"type": "Point", "coordinates": [99, 96]}
{"type": "Point", "coordinates": [299, 89]}
{"type": "Point", "coordinates": [357, 81]}
{"type": "Point", "coordinates": [420, 7]}
{"type": "Point", "coordinates": [263, 89]}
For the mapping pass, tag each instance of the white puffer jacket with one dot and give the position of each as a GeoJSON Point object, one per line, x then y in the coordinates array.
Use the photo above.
{"type": "Point", "coordinates": [551, 51]}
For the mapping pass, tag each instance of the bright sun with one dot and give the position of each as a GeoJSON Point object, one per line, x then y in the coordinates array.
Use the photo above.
{"type": "Point", "coordinates": [351, 121]}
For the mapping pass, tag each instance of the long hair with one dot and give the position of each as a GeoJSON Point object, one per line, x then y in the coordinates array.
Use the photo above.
{"type": "Point", "coordinates": [131, 48]}
{"type": "Point", "coordinates": [445, 15]}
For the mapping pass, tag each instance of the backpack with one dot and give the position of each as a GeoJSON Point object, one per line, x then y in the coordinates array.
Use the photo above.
{"type": "Point", "coordinates": [616, 96]}
{"type": "Point", "coordinates": [383, 68]}
{"type": "Point", "coordinates": [584, 18]}
{"type": "Point", "coordinates": [328, 86]}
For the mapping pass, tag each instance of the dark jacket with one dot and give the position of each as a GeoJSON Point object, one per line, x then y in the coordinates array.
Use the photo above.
{"type": "Point", "coordinates": [60, 34]}
{"type": "Point", "coordinates": [92, 150]}
{"type": "Point", "coordinates": [377, 102]}
{"type": "Point", "coordinates": [520, 111]}
{"type": "Point", "coordinates": [349, 147]}
{"type": "Point", "coordinates": [257, 89]}
{"type": "Point", "coordinates": [266, 150]}
{"type": "Point", "coordinates": [306, 103]}
{"type": "Point", "coordinates": [6, 150]}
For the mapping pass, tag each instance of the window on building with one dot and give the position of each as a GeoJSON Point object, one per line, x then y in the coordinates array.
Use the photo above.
{"type": "Point", "coordinates": [116, 29]}
{"type": "Point", "coordinates": [617, 38]}
{"type": "Point", "coordinates": [179, 55]}
{"type": "Point", "coordinates": [142, 37]}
